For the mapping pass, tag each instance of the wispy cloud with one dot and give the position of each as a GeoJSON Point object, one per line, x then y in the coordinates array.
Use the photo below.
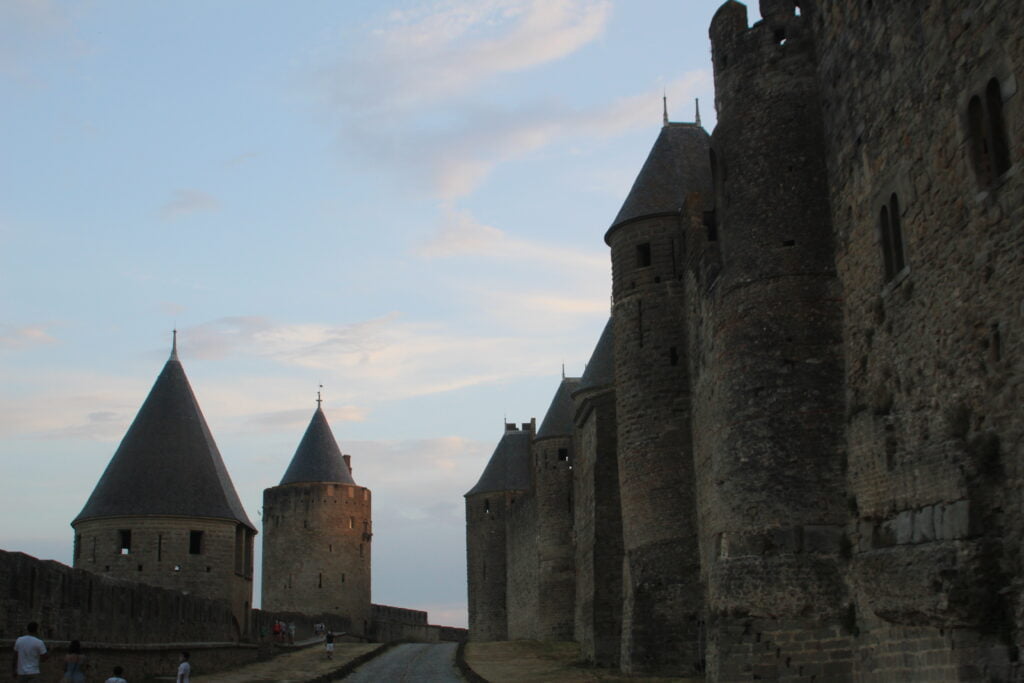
{"type": "Point", "coordinates": [188, 201]}
{"type": "Point", "coordinates": [423, 55]}
{"type": "Point", "coordinates": [26, 336]}
{"type": "Point", "coordinates": [462, 234]}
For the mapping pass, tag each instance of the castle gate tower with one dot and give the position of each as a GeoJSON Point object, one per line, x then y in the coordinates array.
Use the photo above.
{"type": "Point", "coordinates": [553, 492]}
{"type": "Point", "coordinates": [317, 533]}
{"type": "Point", "coordinates": [662, 609]}
{"type": "Point", "coordinates": [597, 517]}
{"type": "Point", "coordinates": [488, 504]}
{"type": "Point", "coordinates": [770, 399]}
{"type": "Point", "coordinates": [165, 511]}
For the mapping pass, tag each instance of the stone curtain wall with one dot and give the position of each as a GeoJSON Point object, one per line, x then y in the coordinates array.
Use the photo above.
{"type": "Point", "coordinates": [332, 524]}
{"type": "Point", "coordinates": [398, 624]}
{"type": "Point", "coordinates": [522, 590]}
{"type": "Point", "coordinates": [487, 578]}
{"type": "Point", "coordinates": [119, 620]}
{"type": "Point", "coordinates": [933, 352]}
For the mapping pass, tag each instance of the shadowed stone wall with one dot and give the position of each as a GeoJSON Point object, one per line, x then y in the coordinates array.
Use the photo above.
{"type": "Point", "coordinates": [205, 557]}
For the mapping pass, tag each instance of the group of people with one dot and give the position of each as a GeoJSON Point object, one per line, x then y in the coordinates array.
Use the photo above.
{"type": "Point", "coordinates": [30, 652]}
{"type": "Point", "coordinates": [284, 632]}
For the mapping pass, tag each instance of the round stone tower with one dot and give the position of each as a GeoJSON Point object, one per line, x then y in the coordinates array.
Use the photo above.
{"type": "Point", "coordinates": [317, 532]}
{"type": "Point", "coordinates": [662, 600]}
{"type": "Point", "coordinates": [552, 486]}
{"type": "Point", "coordinates": [771, 403]}
{"type": "Point", "coordinates": [165, 511]}
{"type": "Point", "coordinates": [488, 507]}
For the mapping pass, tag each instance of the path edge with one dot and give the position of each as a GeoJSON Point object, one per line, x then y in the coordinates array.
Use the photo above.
{"type": "Point", "coordinates": [352, 665]}
{"type": "Point", "coordinates": [464, 668]}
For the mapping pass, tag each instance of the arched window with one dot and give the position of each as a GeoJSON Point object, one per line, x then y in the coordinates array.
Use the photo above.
{"type": "Point", "coordinates": [990, 151]}
{"type": "Point", "coordinates": [997, 127]}
{"type": "Point", "coordinates": [891, 235]}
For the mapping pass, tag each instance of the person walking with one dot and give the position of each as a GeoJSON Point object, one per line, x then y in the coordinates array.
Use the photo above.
{"type": "Point", "coordinates": [74, 664]}
{"type": "Point", "coordinates": [29, 652]}
{"type": "Point", "coordinates": [184, 669]}
{"type": "Point", "coordinates": [329, 644]}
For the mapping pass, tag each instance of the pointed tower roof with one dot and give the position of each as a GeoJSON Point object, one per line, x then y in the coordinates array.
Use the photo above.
{"type": "Point", "coordinates": [318, 458]}
{"type": "Point", "coordinates": [600, 370]}
{"type": "Point", "coordinates": [558, 420]}
{"type": "Point", "coordinates": [167, 463]}
{"type": "Point", "coordinates": [509, 466]}
{"type": "Point", "coordinates": [677, 165]}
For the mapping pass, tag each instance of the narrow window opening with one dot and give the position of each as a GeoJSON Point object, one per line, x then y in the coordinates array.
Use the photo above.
{"type": "Point", "coordinates": [796, 8]}
{"type": "Point", "coordinates": [789, 243]}
{"type": "Point", "coordinates": [979, 141]}
{"type": "Point", "coordinates": [320, 580]}
{"type": "Point", "coordinates": [195, 542]}
{"type": "Point", "coordinates": [883, 225]}
{"type": "Point", "coordinates": [330, 547]}
{"type": "Point", "coordinates": [899, 260]}
{"type": "Point", "coordinates": [487, 506]}
{"type": "Point", "coordinates": [126, 541]}
{"type": "Point", "coordinates": [351, 522]}
{"type": "Point", "coordinates": [997, 128]}
{"type": "Point", "coordinates": [563, 454]}
{"type": "Point", "coordinates": [140, 567]}
{"type": "Point", "coordinates": [209, 569]}
{"type": "Point", "coordinates": [643, 255]}
{"type": "Point", "coordinates": [673, 356]}
{"type": "Point", "coordinates": [343, 577]}
{"type": "Point", "coordinates": [640, 322]}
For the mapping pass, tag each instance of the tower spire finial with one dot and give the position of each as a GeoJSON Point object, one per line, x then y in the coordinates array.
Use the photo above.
{"type": "Point", "coordinates": [174, 345]}
{"type": "Point", "coordinates": [319, 399]}
{"type": "Point", "coordinates": [697, 103]}
{"type": "Point", "coordinates": [664, 108]}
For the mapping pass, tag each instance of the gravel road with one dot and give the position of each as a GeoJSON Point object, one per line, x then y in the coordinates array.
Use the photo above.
{"type": "Point", "coordinates": [412, 662]}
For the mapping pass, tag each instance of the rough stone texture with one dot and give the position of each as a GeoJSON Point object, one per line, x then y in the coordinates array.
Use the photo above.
{"type": "Point", "coordinates": [597, 529]}
{"type": "Point", "coordinates": [661, 583]}
{"type": "Point", "coordinates": [486, 568]}
{"type": "Point", "coordinates": [840, 443]}
{"type": "Point", "coordinates": [160, 555]}
{"type": "Point", "coordinates": [317, 540]}
{"type": "Point", "coordinates": [553, 459]}
{"type": "Point", "coordinates": [522, 588]}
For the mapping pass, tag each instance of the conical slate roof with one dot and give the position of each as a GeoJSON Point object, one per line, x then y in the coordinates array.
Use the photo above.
{"type": "Point", "coordinates": [509, 466]}
{"type": "Point", "coordinates": [318, 458]}
{"type": "Point", "coordinates": [167, 463]}
{"type": "Point", "coordinates": [677, 165]}
{"type": "Point", "coordinates": [600, 370]}
{"type": "Point", "coordinates": [558, 420]}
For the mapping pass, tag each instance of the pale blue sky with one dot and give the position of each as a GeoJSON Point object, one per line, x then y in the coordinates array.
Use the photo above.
{"type": "Point", "coordinates": [404, 201]}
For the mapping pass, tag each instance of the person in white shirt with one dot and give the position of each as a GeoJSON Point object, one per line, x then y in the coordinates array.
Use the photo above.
{"type": "Point", "coordinates": [29, 651]}
{"type": "Point", "coordinates": [184, 669]}
{"type": "Point", "coordinates": [116, 678]}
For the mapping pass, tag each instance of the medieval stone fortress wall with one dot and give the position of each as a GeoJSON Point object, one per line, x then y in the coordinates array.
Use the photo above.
{"type": "Point", "coordinates": [796, 451]}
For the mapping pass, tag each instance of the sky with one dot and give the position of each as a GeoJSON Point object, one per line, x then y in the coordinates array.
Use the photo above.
{"type": "Point", "coordinates": [404, 202]}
